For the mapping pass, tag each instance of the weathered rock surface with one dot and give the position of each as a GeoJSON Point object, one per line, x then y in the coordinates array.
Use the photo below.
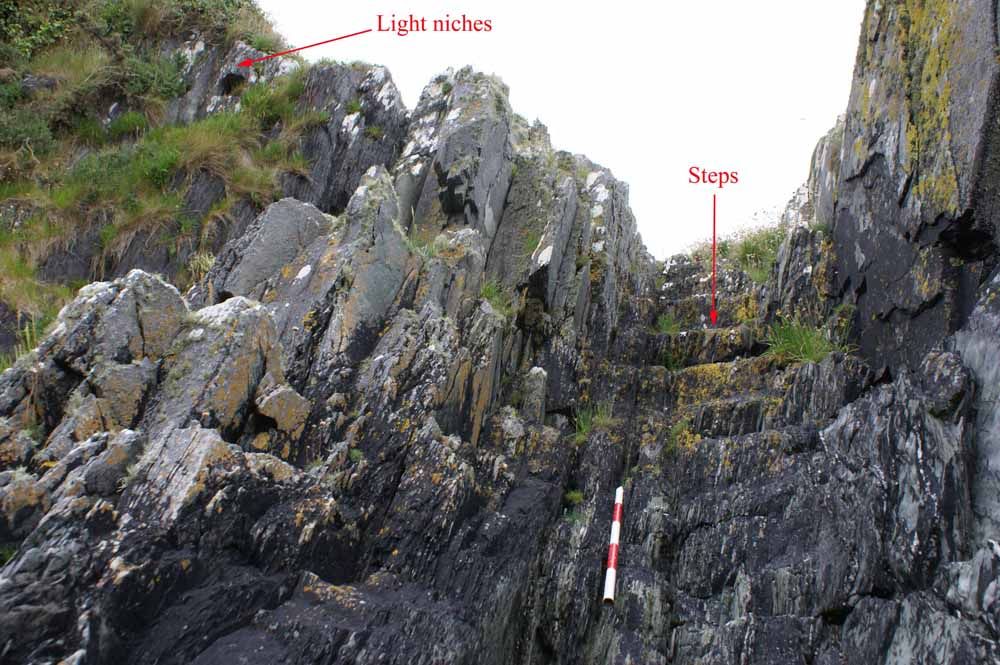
{"type": "Point", "coordinates": [366, 126]}
{"type": "Point", "coordinates": [917, 176]}
{"type": "Point", "coordinates": [388, 423]}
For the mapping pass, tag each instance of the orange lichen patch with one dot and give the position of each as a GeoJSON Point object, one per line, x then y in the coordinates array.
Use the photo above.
{"type": "Point", "coordinates": [261, 442]}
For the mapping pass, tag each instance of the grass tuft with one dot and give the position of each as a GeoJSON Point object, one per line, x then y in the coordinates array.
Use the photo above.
{"type": "Point", "coordinates": [498, 298]}
{"type": "Point", "coordinates": [603, 415]}
{"type": "Point", "coordinates": [756, 251]}
{"type": "Point", "coordinates": [129, 124]}
{"type": "Point", "coordinates": [666, 324]}
{"type": "Point", "coordinates": [792, 341]}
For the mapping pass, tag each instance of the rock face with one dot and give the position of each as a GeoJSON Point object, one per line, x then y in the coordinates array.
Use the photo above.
{"type": "Point", "coordinates": [387, 425]}
{"type": "Point", "coordinates": [917, 175]}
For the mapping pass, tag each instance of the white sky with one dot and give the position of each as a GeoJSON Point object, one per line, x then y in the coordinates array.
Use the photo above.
{"type": "Point", "coordinates": [646, 89]}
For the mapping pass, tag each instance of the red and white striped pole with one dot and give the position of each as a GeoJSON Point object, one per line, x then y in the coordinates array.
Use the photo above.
{"type": "Point", "coordinates": [616, 530]}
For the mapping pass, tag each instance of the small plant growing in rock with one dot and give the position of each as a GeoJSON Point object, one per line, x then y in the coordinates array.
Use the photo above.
{"type": "Point", "coordinates": [666, 324]}
{"type": "Point", "coordinates": [7, 553]}
{"type": "Point", "coordinates": [131, 474]}
{"type": "Point", "coordinates": [584, 422]}
{"type": "Point", "coordinates": [427, 250]}
{"type": "Point", "coordinates": [531, 240]}
{"type": "Point", "coordinates": [355, 455]}
{"type": "Point", "coordinates": [671, 359]}
{"type": "Point", "coordinates": [199, 264]}
{"type": "Point", "coordinates": [573, 498]}
{"type": "Point", "coordinates": [353, 106]}
{"type": "Point", "coordinates": [756, 251]}
{"type": "Point", "coordinates": [793, 341]}
{"type": "Point", "coordinates": [680, 436]}
{"type": "Point", "coordinates": [603, 417]}
{"type": "Point", "coordinates": [498, 298]}
{"type": "Point", "coordinates": [27, 340]}
{"type": "Point", "coordinates": [821, 228]}
{"type": "Point", "coordinates": [374, 132]}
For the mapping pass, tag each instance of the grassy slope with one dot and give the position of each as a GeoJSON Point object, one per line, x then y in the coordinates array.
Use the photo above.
{"type": "Point", "coordinates": [61, 168]}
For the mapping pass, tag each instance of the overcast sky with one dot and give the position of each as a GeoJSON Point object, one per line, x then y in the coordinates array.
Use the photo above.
{"type": "Point", "coordinates": [645, 89]}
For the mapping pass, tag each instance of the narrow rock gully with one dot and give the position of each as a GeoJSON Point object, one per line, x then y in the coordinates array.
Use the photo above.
{"type": "Point", "coordinates": [709, 436]}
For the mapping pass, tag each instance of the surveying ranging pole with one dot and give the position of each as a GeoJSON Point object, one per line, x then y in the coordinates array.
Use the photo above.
{"type": "Point", "coordinates": [616, 530]}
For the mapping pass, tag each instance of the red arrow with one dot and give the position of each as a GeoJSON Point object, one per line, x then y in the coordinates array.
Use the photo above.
{"type": "Point", "coordinates": [714, 315]}
{"type": "Point", "coordinates": [250, 61]}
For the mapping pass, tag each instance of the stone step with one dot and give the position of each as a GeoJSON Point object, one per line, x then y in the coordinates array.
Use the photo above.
{"type": "Point", "coordinates": [692, 311]}
{"type": "Point", "coordinates": [641, 347]}
{"type": "Point", "coordinates": [719, 381]}
{"type": "Point", "coordinates": [734, 416]}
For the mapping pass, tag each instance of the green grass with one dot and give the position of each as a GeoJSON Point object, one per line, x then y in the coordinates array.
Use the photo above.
{"type": "Point", "coordinates": [353, 106]}
{"type": "Point", "coordinates": [671, 360]}
{"type": "Point", "coordinates": [821, 228]}
{"type": "Point", "coordinates": [498, 298]}
{"type": "Point", "coordinates": [25, 128]}
{"type": "Point", "coordinates": [603, 415]}
{"type": "Point", "coordinates": [7, 553]}
{"type": "Point", "coordinates": [756, 251]}
{"type": "Point", "coordinates": [588, 418]}
{"type": "Point", "coordinates": [427, 250]}
{"type": "Point", "coordinates": [792, 341]}
{"type": "Point", "coordinates": [583, 424]}
{"type": "Point", "coordinates": [270, 102]}
{"type": "Point", "coordinates": [10, 94]}
{"type": "Point", "coordinates": [10, 189]}
{"type": "Point", "coordinates": [666, 324]}
{"type": "Point", "coordinates": [374, 132]}
{"type": "Point", "coordinates": [531, 240]}
{"type": "Point", "coordinates": [355, 455]}
{"type": "Point", "coordinates": [131, 123]}
{"type": "Point", "coordinates": [249, 25]}
{"type": "Point", "coordinates": [27, 339]}
{"type": "Point", "coordinates": [158, 77]}
{"type": "Point", "coordinates": [573, 498]}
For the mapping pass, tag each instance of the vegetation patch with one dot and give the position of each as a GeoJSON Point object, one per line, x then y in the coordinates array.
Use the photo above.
{"type": "Point", "coordinates": [587, 418]}
{"type": "Point", "coordinates": [7, 553]}
{"type": "Point", "coordinates": [756, 251]}
{"type": "Point", "coordinates": [427, 250]}
{"type": "Point", "coordinates": [681, 437]}
{"type": "Point", "coordinates": [792, 341]}
{"type": "Point", "coordinates": [671, 359]}
{"type": "Point", "coordinates": [667, 324]}
{"type": "Point", "coordinates": [130, 124]}
{"type": "Point", "coordinates": [27, 339]}
{"type": "Point", "coordinates": [498, 297]}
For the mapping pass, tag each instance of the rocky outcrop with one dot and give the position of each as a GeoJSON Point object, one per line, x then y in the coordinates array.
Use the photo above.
{"type": "Point", "coordinates": [916, 175]}
{"type": "Point", "coordinates": [387, 424]}
{"type": "Point", "coordinates": [366, 124]}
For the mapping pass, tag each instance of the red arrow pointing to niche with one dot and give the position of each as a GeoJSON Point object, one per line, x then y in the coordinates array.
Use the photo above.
{"type": "Point", "coordinates": [250, 61]}
{"type": "Point", "coordinates": [714, 315]}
